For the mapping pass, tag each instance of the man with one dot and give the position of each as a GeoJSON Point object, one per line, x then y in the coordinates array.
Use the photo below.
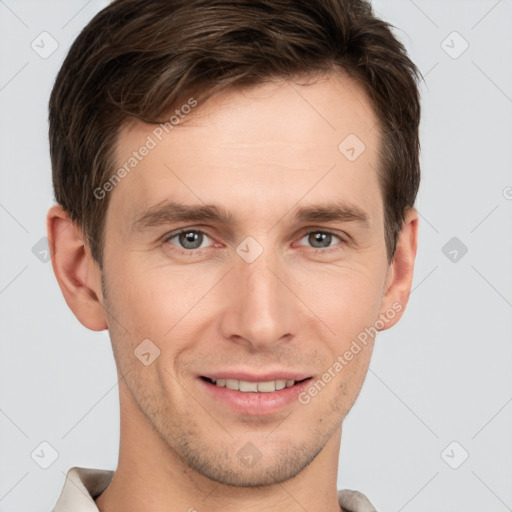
{"type": "Point", "coordinates": [235, 184]}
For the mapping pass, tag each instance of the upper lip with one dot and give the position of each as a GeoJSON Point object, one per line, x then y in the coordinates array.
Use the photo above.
{"type": "Point", "coordinates": [252, 377]}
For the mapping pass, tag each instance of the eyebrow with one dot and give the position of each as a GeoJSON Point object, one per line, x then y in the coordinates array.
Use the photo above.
{"type": "Point", "coordinates": [340, 211]}
{"type": "Point", "coordinates": [170, 212]}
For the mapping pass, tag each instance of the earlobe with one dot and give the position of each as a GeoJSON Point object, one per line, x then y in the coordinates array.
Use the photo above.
{"type": "Point", "coordinates": [77, 273]}
{"type": "Point", "coordinates": [400, 274]}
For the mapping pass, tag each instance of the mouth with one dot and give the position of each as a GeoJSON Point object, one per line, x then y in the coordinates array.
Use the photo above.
{"type": "Point", "coordinates": [259, 396]}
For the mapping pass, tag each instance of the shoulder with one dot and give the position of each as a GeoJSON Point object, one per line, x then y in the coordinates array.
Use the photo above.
{"type": "Point", "coordinates": [354, 501]}
{"type": "Point", "coordinates": [82, 485]}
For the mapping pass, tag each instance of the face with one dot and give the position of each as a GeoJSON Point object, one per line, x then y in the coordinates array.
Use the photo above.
{"type": "Point", "coordinates": [248, 245]}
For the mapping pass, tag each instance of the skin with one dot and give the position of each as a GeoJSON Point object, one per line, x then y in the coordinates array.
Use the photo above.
{"type": "Point", "coordinates": [260, 153]}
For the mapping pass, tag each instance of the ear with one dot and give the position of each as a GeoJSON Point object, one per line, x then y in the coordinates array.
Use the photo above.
{"type": "Point", "coordinates": [77, 273]}
{"type": "Point", "coordinates": [400, 272]}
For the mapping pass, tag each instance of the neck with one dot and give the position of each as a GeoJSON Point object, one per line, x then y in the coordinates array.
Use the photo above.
{"type": "Point", "coordinates": [151, 477]}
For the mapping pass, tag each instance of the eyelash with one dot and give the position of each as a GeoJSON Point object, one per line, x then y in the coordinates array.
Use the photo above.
{"type": "Point", "coordinates": [315, 250]}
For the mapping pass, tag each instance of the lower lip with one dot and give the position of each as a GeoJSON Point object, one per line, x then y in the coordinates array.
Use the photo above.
{"type": "Point", "coordinates": [255, 404]}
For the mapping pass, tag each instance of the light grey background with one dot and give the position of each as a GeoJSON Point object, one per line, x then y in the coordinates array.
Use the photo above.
{"type": "Point", "coordinates": [443, 374]}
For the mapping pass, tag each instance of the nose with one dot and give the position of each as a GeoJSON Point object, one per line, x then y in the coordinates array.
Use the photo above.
{"type": "Point", "coordinates": [260, 309]}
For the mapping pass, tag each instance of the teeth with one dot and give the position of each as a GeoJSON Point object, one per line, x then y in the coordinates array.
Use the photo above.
{"type": "Point", "coordinates": [280, 384]}
{"type": "Point", "coordinates": [266, 387]}
{"type": "Point", "coordinates": [254, 387]}
{"type": "Point", "coordinates": [232, 384]}
{"type": "Point", "coordinates": [248, 386]}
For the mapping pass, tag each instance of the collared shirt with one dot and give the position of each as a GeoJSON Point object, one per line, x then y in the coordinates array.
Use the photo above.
{"type": "Point", "coordinates": [84, 484]}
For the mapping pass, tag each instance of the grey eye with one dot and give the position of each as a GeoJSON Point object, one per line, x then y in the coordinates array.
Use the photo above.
{"type": "Point", "coordinates": [320, 239]}
{"type": "Point", "coordinates": [189, 239]}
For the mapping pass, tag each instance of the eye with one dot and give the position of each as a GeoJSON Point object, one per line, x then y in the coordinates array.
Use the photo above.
{"type": "Point", "coordinates": [189, 239]}
{"type": "Point", "coordinates": [321, 239]}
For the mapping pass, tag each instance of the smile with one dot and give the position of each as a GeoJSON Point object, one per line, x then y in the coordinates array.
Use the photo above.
{"type": "Point", "coordinates": [256, 397]}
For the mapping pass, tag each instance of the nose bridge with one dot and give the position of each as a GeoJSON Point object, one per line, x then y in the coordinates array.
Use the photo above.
{"type": "Point", "coordinates": [260, 284]}
{"type": "Point", "coordinates": [261, 306]}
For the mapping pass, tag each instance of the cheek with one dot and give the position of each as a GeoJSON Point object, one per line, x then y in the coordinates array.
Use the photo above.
{"type": "Point", "coordinates": [157, 302]}
{"type": "Point", "coordinates": [347, 297]}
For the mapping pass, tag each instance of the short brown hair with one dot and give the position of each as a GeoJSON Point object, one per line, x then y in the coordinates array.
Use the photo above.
{"type": "Point", "coordinates": [139, 58]}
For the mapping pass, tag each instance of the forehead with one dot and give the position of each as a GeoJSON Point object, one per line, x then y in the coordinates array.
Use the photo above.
{"type": "Point", "coordinates": [271, 143]}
